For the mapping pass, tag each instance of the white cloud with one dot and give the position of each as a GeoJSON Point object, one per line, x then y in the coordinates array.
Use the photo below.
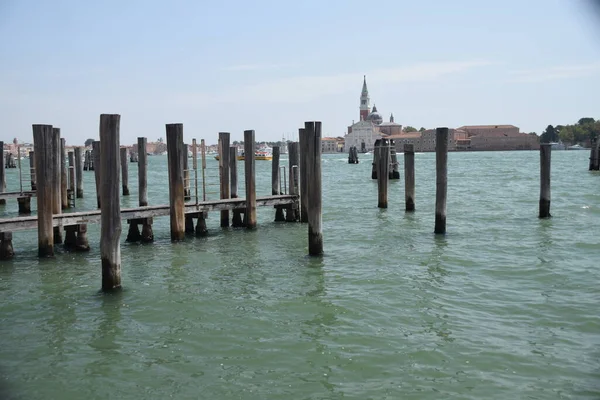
{"type": "Point", "coordinates": [304, 88]}
{"type": "Point", "coordinates": [554, 73]}
{"type": "Point", "coordinates": [256, 67]}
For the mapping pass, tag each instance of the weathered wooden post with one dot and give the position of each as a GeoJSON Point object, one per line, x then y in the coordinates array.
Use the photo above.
{"type": "Point", "coordinates": [394, 170]}
{"type": "Point", "coordinates": [32, 169]}
{"type": "Point", "coordinates": [2, 173]}
{"type": "Point", "coordinates": [201, 221]}
{"type": "Point", "coordinates": [78, 173]}
{"type": "Point", "coordinates": [315, 234]}
{"type": "Point", "coordinates": [595, 155]}
{"type": "Point", "coordinates": [110, 210]}
{"type": "Point", "coordinates": [409, 176]}
{"type": "Point", "coordinates": [6, 247]}
{"type": "Point", "coordinates": [224, 173]}
{"type": "Point", "coordinates": [441, 178]}
{"type": "Point", "coordinates": [124, 171]}
{"type": "Point", "coordinates": [303, 144]}
{"type": "Point", "coordinates": [175, 161]}
{"type": "Point", "coordinates": [383, 163]}
{"type": "Point", "coordinates": [236, 220]}
{"type": "Point", "coordinates": [57, 190]}
{"type": "Point", "coordinates": [291, 214]}
{"type": "Point", "coordinates": [250, 214]}
{"type": "Point", "coordinates": [275, 183]}
{"type": "Point", "coordinates": [64, 198]}
{"type": "Point", "coordinates": [375, 162]}
{"type": "Point", "coordinates": [87, 165]}
{"type": "Point", "coordinates": [147, 233]}
{"type": "Point", "coordinates": [545, 153]}
{"type": "Point", "coordinates": [42, 142]}
{"type": "Point", "coordinates": [187, 194]}
{"type": "Point", "coordinates": [24, 205]}
{"type": "Point", "coordinates": [95, 159]}
{"type": "Point", "coordinates": [72, 177]}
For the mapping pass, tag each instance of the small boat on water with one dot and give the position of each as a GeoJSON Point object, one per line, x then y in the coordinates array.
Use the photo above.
{"type": "Point", "coordinates": [557, 146]}
{"type": "Point", "coordinates": [576, 147]}
{"type": "Point", "coordinates": [258, 155]}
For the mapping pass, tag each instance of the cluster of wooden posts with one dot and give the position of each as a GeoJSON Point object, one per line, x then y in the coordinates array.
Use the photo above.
{"type": "Point", "coordinates": [353, 155]}
{"type": "Point", "coordinates": [385, 151]}
{"type": "Point", "coordinates": [595, 155]}
{"type": "Point", "coordinates": [303, 203]}
{"type": "Point", "coordinates": [9, 159]}
{"type": "Point", "coordinates": [381, 166]}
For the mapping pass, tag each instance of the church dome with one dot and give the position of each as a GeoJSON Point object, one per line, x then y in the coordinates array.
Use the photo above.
{"type": "Point", "coordinates": [374, 116]}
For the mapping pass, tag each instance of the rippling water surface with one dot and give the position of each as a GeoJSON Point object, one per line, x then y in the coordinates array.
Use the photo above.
{"type": "Point", "coordinates": [504, 306]}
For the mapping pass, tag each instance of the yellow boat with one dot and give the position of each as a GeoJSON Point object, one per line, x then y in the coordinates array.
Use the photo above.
{"type": "Point", "coordinates": [259, 155]}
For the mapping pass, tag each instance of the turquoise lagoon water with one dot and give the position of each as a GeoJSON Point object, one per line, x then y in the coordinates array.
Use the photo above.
{"type": "Point", "coordinates": [504, 306]}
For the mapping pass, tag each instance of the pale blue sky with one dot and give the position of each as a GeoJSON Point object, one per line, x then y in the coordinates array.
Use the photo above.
{"type": "Point", "coordinates": [271, 65]}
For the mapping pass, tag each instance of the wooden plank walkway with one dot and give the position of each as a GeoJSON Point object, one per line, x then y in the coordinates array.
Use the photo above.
{"type": "Point", "coordinates": [16, 195]}
{"type": "Point", "coordinates": [93, 216]}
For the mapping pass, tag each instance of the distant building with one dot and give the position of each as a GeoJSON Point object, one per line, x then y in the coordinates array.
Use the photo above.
{"type": "Point", "coordinates": [370, 127]}
{"type": "Point", "coordinates": [329, 145]}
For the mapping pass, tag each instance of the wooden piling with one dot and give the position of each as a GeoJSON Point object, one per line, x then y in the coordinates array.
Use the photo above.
{"type": "Point", "coordinates": [383, 163]}
{"type": "Point", "coordinates": [545, 153]}
{"type": "Point", "coordinates": [314, 211]}
{"type": "Point", "coordinates": [87, 164]}
{"type": "Point", "coordinates": [175, 161]}
{"type": "Point", "coordinates": [64, 177]}
{"type": "Point", "coordinates": [187, 195]}
{"type": "Point", "coordinates": [224, 173]}
{"type": "Point", "coordinates": [56, 180]}
{"type": "Point", "coordinates": [6, 246]}
{"type": "Point", "coordinates": [124, 171]}
{"type": "Point", "coordinates": [236, 220]}
{"type": "Point", "coordinates": [147, 233]}
{"type": "Point", "coordinates": [303, 174]}
{"type": "Point", "coordinates": [70, 237]}
{"type": "Point", "coordinates": [72, 177]}
{"type": "Point", "coordinates": [595, 155]}
{"type": "Point", "coordinates": [249, 148]}
{"type": "Point", "coordinates": [409, 177]}
{"type": "Point", "coordinates": [32, 169]}
{"type": "Point", "coordinates": [2, 173]}
{"type": "Point", "coordinates": [24, 205]}
{"type": "Point", "coordinates": [275, 183]}
{"type": "Point", "coordinates": [110, 208]}
{"type": "Point", "coordinates": [82, 241]}
{"type": "Point", "coordinates": [78, 173]}
{"type": "Point", "coordinates": [95, 160]}
{"type": "Point", "coordinates": [42, 143]}
{"type": "Point", "coordinates": [394, 171]}
{"type": "Point", "coordinates": [441, 178]}
{"type": "Point", "coordinates": [292, 211]}
{"type": "Point", "coordinates": [375, 161]}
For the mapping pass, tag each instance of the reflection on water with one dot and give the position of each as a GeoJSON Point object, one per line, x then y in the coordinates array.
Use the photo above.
{"type": "Point", "coordinates": [107, 330]}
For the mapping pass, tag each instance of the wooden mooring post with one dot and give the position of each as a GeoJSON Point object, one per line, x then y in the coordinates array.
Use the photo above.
{"type": "Point", "coordinates": [441, 179]}
{"type": "Point", "coordinates": [176, 185]}
{"type": "Point", "coordinates": [292, 211]}
{"type": "Point", "coordinates": [275, 183]}
{"type": "Point", "coordinates": [95, 160]}
{"type": "Point", "coordinates": [595, 155]}
{"type": "Point", "coordinates": [187, 193]}
{"type": "Point", "coordinates": [43, 151]}
{"type": "Point", "coordinates": [409, 177]}
{"type": "Point", "coordinates": [56, 180]}
{"type": "Point", "coordinates": [110, 218]}
{"type": "Point", "coordinates": [78, 173]}
{"type": "Point", "coordinates": [249, 148]}
{"type": "Point", "coordinates": [2, 173]}
{"type": "Point", "coordinates": [545, 159]}
{"type": "Point", "coordinates": [124, 171]}
{"type": "Point", "coordinates": [64, 177]}
{"type": "Point", "coordinates": [382, 152]}
{"type": "Point", "coordinates": [32, 169]}
{"type": "Point", "coordinates": [224, 173]}
{"type": "Point", "coordinates": [133, 234]}
{"type": "Point", "coordinates": [236, 220]}
{"type": "Point", "coordinates": [303, 147]}
{"type": "Point", "coordinates": [394, 170]}
{"type": "Point", "coordinates": [72, 178]}
{"type": "Point", "coordinates": [313, 161]}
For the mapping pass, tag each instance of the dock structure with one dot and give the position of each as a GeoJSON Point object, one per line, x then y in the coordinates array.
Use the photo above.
{"type": "Point", "coordinates": [106, 158]}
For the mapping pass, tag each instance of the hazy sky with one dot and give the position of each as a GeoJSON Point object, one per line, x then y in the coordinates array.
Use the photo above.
{"type": "Point", "coordinates": [271, 65]}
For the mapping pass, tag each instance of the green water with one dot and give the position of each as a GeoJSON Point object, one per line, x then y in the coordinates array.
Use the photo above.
{"type": "Point", "coordinates": [504, 306]}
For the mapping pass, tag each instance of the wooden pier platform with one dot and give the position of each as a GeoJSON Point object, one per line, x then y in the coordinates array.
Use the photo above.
{"type": "Point", "coordinates": [93, 216]}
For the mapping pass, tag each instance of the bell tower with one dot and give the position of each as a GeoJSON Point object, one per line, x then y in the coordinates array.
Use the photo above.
{"type": "Point", "coordinates": [365, 101]}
